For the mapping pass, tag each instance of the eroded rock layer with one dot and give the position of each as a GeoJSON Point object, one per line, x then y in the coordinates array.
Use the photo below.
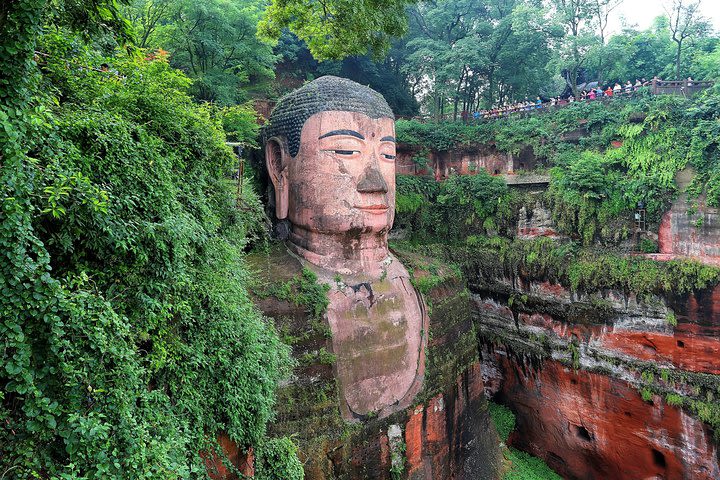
{"type": "Point", "coordinates": [606, 385]}
{"type": "Point", "coordinates": [591, 426]}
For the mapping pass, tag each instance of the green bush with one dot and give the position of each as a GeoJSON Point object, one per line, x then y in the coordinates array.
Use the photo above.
{"type": "Point", "coordinates": [452, 209]}
{"type": "Point", "coordinates": [240, 123]}
{"type": "Point", "coordinates": [520, 465]}
{"type": "Point", "coordinates": [130, 338]}
{"type": "Point", "coordinates": [647, 246]}
{"type": "Point", "coordinates": [503, 418]}
{"type": "Point", "coordinates": [276, 459]}
{"type": "Point", "coordinates": [524, 466]}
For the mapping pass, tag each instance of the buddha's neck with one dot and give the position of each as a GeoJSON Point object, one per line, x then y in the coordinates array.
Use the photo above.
{"type": "Point", "coordinates": [345, 254]}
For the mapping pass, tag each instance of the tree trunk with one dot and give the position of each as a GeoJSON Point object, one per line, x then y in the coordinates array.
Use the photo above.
{"type": "Point", "coordinates": [678, 57]}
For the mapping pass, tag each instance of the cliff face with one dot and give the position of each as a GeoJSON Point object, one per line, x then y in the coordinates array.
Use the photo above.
{"type": "Point", "coordinates": [445, 434]}
{"type": "Point", "coordinates": [691, 229]}
{"type": "Point", "coordinates": [593, 426]}
{"type": "Point", "coordinates": [468, 161]}
{"type": "Point", "coordinates": [595, 380]}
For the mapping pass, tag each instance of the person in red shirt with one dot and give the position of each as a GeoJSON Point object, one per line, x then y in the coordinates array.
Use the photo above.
{"type": "Point", "coordinates": [609, 92]}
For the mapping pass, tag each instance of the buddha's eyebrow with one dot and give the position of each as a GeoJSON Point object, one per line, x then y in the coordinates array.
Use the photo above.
{"type": "Point", "coordinates": [387, 139]}
{"type": "Point", "coordinates": [352, 133]}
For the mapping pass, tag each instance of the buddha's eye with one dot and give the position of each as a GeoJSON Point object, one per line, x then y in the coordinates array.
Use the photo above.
{"type": "Point", "coordinates": [389, 156]}
{"type": "Point", "coordinates": [344, 152]}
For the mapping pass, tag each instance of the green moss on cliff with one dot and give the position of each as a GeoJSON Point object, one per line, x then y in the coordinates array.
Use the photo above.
{"type": "Point", "coordinates": [606, 157]}
{"type": "Point", "coordinates": [518, 465]}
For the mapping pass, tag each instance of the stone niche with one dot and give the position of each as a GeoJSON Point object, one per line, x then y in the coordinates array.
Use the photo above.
{"type": "Point", "coordinates": [446, 433]}
{"type": "Point", "coordinates": [463, 161]}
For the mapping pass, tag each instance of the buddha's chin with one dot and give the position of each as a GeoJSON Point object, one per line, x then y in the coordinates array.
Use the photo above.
{"type": "Point", "coordinates": [375, 220]}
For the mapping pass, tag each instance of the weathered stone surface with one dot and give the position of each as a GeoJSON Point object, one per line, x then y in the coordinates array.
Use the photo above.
{"type": "Point", "coordinates": [688, 234]}
{"type": "Point", "coordinates": [379, 330]}
{"type": "Point", "coordinates": [451, 436]}
{"type": "Point", "coordinates": [536, 222]}
{"type": "Point", "coordinates": [469, 161]}
{"type": "Point", "coordinates": [241, 460]}
{"type": "Point", "coordinates": [572, 367]}
{"type": "Point", "coordinates": [590, 426]}
{"type": "Point", "coordinates": [447, 432]}
{"type": "Point", "coordinates": [338, 192]}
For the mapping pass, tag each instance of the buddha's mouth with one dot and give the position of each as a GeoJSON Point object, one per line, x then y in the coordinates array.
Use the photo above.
{"type": "Point", "coordinates": [377, 208]}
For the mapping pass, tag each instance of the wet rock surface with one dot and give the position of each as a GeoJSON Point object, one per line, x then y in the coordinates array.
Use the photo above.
{"type": "Point", "coordinates": [596, 380]}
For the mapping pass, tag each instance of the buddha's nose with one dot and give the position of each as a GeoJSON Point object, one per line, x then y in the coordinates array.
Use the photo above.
{"type": "Point", "coordinates": [372, 181]}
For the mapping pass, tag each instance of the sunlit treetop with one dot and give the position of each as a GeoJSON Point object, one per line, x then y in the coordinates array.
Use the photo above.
{"type": "Point", "coordinates": [335, 29]}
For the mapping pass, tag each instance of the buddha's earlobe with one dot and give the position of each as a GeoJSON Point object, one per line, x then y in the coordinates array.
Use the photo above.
{"type": "Point", "coordinates": [276, 159]}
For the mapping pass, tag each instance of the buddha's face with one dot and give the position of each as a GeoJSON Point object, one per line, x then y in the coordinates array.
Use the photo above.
{"type": "Point", "coordinates": [343, 178]}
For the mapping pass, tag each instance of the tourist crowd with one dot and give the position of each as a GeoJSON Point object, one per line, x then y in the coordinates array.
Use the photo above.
{"type": "Point", "coordinates": [586, 94]}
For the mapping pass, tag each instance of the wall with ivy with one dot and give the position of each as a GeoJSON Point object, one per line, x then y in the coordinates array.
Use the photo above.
{"type": "Point", "coordinates": [604, 158]}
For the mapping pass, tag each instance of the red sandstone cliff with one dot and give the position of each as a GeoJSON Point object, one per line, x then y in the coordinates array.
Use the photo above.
{"type": "Point", "coordinates": [575, 381]}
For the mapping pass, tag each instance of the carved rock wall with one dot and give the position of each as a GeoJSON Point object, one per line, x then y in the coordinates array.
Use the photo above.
{"type": "Point", "coordinates": [447, 431]}
{"type": "Point", "coordinates": [536, 222]}
{"type": "Point", "coordinates": [691, 230]}
{"type": "Point", "coordinates": [468, 161]}
{"type": "Point", "coordinates": [591, 426]}
{"type": "Point", "coordinates": [573, 367]}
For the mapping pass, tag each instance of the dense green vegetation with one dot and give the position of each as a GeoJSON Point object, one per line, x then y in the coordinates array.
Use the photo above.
{"type": "Point", "coordinates": [440, 58]}
{"type": "Point", "coordinates": [129, 336]}
{"type": "Point", "coordinates": [595, 185]}
{"type": "Point", "coordinates": [519, 465]}
{"type": "Point", "coordinates": [130, 339]}
{"type": "Point", "coordinates": [588, 270]}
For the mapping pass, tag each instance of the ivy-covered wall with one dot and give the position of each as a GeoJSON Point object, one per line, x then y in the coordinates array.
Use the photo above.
{"type": "Point", "coordinates": [604, 158]}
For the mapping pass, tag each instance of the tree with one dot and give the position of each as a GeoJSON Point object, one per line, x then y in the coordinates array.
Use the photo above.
{"type": "Point", "coordinates": [214, 42]}
{"type": "Point", "coordinates": [685, 22]}
{"type": "Point", "coordinates": [602, 9]}
{"type": "Point", "coordinates": [636, 54]}
{"type": "Point", "coordinates": [476, 52]}
{"type": "Point", "coordinates": [577, 18]}
{"type": "Point", "coordinates": [335, 29]}
{"type": "Point", "coordinates": [146, 16]}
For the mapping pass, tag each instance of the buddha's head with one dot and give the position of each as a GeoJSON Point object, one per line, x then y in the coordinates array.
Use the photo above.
{"type": "Point", "coordinates": [330, 152]}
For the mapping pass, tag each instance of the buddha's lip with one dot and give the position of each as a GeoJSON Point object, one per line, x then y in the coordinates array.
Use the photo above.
{"type": "Point", "coordinates": [376, 208]}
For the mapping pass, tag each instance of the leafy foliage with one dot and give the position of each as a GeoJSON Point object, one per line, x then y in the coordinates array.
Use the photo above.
{"type": "Point", "coordinates": [130, 336]}
{"type": "Point", "coordinates": [460, 206]}
{"type": "Point", "coordinates": [214, 42]}
{"type": "Point", "coordinates": [277, 460]}
{"type": "Point", "coordinates": [338, 28]}
{"type": "Point", "coordinates": [526, 467]}
{"type": "Point", "coordinates": [520, 465]}
{"type": "Point", "coordinates": [585, 270]}
{"type": "Point", "coordinates": [629, 153]}
{"type": "Point", "coordinates": [503, 418]}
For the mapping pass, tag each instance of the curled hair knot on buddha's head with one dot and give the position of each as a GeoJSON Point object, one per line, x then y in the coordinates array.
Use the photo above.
{"type": "Point", "coordinates": [321, 95]}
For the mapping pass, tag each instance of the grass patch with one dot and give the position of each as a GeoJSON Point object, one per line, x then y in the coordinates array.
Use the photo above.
{"type": "Point", "coordinates": [518, 465]}
{"type": "Point", "coordinates": [524, 466]}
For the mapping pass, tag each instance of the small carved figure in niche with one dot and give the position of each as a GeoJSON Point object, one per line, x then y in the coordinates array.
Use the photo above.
{"type": "Point", "coordinates": [330, 153]}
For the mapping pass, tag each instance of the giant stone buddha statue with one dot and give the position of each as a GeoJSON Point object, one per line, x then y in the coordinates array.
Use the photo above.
{"type": "Point", "coordinates": [330, 153]}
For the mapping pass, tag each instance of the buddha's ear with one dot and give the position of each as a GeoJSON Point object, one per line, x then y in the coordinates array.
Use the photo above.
{"type": "Point", "coordinates": [277, 158]}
